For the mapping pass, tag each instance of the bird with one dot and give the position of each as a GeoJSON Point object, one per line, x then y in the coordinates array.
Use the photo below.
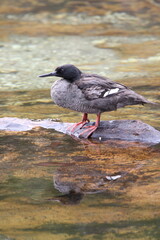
{"type": "Point", "coordinates": [89, 94]}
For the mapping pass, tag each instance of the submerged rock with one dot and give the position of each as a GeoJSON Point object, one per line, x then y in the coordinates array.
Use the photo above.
{"type": "Point", "coordinates": [129, 130]}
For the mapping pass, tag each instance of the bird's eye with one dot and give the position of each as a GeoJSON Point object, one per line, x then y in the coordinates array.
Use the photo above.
{"type": "Point", "coordinates": [60, 70]}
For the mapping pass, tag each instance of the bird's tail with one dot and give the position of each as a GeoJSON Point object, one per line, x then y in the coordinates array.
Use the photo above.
{"type": "Point", "coordinates": [148, 102]}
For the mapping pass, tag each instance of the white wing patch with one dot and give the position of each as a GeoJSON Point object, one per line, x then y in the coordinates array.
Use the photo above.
{"type": "Point", "coordinates": [111, 91]}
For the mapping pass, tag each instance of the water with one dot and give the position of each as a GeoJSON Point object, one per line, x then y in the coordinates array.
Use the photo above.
{"type": "Point", "coordinates": [56, 187]}
{"type": "Point", "coordinates": [100, 190]}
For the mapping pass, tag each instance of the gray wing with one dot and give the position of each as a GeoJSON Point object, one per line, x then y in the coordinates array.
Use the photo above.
{"type": "Point", "coordinates": [94, 87]}
{"type": "Point", "coordinates": [106, 95]}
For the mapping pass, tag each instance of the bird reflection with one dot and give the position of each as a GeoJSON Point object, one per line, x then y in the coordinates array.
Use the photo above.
{"type": "Point", "coordinates": [72, 198]}
{"type": "Point", "coordinates": [109, 166]}
{"type": "Point", "coordinates": [74, 188]}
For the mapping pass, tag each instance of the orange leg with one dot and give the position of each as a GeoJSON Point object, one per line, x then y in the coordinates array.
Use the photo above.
{"type": "Point", "coordinates": [82, 123]}
{"type": "Point", "coordinates": [90, 129]}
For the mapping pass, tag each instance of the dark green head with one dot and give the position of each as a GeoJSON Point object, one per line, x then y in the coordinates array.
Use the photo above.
{"type": "Point", "coordinates": [68, 72]}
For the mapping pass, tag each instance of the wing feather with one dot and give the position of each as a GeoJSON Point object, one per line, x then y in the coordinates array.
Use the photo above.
{"type": "Point", "coordinates": [95, 87]}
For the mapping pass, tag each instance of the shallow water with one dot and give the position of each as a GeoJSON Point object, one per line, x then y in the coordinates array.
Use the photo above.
{"type": "Point", "coordinates": [101, 190]}
{"type": "Point", "coordinates": [56, 187]}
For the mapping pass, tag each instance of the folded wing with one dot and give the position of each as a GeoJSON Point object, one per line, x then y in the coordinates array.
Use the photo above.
{"type": "Point", "coordinates": [106, 94]}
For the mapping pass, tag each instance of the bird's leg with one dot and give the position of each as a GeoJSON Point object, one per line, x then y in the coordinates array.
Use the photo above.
{"type": "Point", "coordinates": [82, 123]}
{"type": "Point", "coordinates": [84, 119]}
{"type": "Point", "coordinates": [90, 129]}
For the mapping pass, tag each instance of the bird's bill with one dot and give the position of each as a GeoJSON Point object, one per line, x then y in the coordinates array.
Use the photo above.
{"type": "Point", "coordinates": [49, 74]}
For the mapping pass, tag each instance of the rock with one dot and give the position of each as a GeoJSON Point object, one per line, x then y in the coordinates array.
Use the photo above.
{"type": "Point", "coordinates": [129, 130]}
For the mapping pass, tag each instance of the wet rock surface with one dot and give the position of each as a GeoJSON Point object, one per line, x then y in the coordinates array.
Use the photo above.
{"type": "Point", "coordinates": [129, 130]}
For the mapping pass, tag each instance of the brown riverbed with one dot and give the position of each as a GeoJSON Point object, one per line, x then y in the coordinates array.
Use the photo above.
{"type": "Point", "coordinates": [56, 187]}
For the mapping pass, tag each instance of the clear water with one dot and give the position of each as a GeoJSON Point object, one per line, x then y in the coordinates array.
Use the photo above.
{"type": "Point", "coordinates": [51, 185]}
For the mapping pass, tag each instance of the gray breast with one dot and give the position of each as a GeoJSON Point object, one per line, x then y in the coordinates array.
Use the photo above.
{"type": "Point", "coordinates": [68, 95]}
